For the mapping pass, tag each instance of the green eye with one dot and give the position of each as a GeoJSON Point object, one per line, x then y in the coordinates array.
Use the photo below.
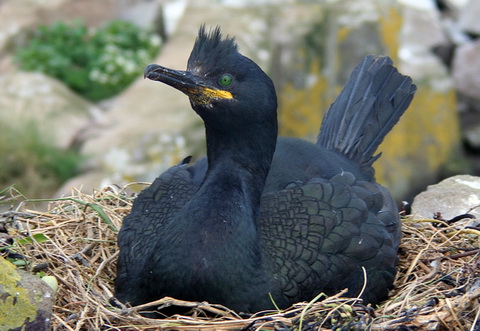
{"type": "Point", "coordinates": [225, 80]}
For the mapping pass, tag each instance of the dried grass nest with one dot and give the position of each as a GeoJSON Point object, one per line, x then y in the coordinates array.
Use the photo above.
{"type": "Point", "coordinates": [437, 286]}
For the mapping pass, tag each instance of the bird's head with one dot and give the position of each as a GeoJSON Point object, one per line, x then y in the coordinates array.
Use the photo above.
{"type": "Point", "coordinates": [227, 89]}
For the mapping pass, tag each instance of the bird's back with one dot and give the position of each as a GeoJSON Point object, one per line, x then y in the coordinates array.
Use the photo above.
{"type": "Point", "coordinates": [324, 233]}
{"type": "Point", "coordinates": [325, 223]}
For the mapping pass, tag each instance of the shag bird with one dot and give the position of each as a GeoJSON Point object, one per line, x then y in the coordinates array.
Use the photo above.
{"type": "Point", "coordinates": [265, 220]}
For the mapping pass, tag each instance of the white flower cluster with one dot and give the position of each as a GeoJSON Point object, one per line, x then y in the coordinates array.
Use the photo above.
{"type": "Point", "coordinates": [116, 63]}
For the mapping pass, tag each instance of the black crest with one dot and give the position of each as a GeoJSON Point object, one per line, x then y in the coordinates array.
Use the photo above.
{"type": "Point", "coordinates": [211, 48]}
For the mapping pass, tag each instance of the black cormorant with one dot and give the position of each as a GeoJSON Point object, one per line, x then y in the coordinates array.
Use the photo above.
{"type": "Point", "coordinates": [265, 219]}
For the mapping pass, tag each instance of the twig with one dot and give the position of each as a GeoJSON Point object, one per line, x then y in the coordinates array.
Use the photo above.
{"type": "Point", "coordinates": [12, 214]}
{"type": "Point", "coordinates": [104, 263]}
{"type": "Point", "coordinates": [79, 255]}
{"type": "Point", "coordinates": [168, 302]}
{"type": "Point", "coordinates": [474, 324]}
{"type": "Point", "coordinates": [456, 256]}
{"type": "Point", "coordinates": [62, 322]}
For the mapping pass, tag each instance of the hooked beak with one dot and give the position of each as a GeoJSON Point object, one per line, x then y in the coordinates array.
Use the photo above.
{"type": "Point", "coordinates": [198, 91]}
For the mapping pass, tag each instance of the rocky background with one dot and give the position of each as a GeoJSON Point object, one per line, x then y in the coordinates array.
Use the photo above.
{"type": "Point", "coordinates": [307, 48]}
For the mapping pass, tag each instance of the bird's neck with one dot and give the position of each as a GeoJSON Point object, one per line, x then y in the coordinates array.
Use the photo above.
{"type": "Point", "coordinates": [218, 226]}
{"type": "Point", "coordinates": [229, 197]}
{"type": "Point", "coordinates": [242, 157]}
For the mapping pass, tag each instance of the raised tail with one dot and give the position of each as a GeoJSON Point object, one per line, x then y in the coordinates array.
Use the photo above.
{"type": "Point", "coordinates": [372, 101]}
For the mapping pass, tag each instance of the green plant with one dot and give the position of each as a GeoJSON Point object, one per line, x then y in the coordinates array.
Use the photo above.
{"type": "Point", "coordinates": [97, 64]}
{"type": "Point", "coordinates": [30, 161]}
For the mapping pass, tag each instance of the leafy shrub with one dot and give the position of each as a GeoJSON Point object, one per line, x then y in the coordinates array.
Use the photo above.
{"type": "Point", "coordinates": [97, 64]}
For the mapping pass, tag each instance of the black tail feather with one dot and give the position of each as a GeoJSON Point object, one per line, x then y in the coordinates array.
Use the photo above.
{"type": "Point", "coordinates": [372, 101]}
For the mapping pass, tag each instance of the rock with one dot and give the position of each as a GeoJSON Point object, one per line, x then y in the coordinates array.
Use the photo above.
{"type": "Point", "coordinates": [28, 98]}
{"type": "Point", "coordinates": [16, 16]}
{"type": "Point", "coordinates": [25, 300]}
{"type": "Point", "coordinates": [423, 142]}
{"type": "Point", "coordinates": [451, 197]}
{"type": "Point", "coordinates": [426, 141]}
{"type": "Point", "coordinates": [468, 18]}
{"type": "Point", "coordinates": [93, 13]}
{"type": "Point", "coordinates": [87, 183]}
{"type": "Point", "coordinates": [472, 137]}
{"type": "Point", "coordinates": [421, 31]}
{"type": "Point", "coordinates": [466, 69]}
{"type": "Point", "coordinates": [142, 14]}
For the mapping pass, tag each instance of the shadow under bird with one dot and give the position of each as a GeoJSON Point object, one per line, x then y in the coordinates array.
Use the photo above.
{"type": "Point", "coordinates": [264, 219]}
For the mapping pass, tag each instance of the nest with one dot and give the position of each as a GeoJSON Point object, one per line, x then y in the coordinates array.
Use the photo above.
{"type": "Point", "coordinates": [437, 286]}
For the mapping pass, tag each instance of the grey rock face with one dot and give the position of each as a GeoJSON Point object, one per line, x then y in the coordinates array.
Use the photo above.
{"type": "Point", "coordinates": [451, 197]}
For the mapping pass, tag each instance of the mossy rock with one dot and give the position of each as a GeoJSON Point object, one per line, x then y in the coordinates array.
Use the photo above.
{"type": "Point", "coordinates": [25, 300]}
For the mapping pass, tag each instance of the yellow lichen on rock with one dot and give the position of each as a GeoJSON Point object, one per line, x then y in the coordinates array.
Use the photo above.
{"type": "Point", "coordinates": [425, 140]}
{"type": "Point", "coordinates": [390, 25]}
{"type": "Point", "coordinates": [15, 304]}
{"type": "Point", "coordinates": [299, 114]}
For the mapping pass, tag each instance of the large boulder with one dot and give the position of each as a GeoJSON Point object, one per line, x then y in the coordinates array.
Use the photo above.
{"type": "Point", "coordinates": [25, 300]}
{"type": "Point", "coordinates": [451, 197]}
{"type": "Point", "coordinates": [17, 16]}
{"type": "Point", "coordinates": [466, 69]}
{"type": "Point", "coordinates": [468, 18]}
{"type": "Point", "coordinates": [426, 139]}
{"type": "Point", "coordinates": [28, 98]}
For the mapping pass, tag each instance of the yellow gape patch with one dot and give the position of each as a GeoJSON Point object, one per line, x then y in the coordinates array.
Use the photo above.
{"type": "Point", "coordinates": [205, 95]}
